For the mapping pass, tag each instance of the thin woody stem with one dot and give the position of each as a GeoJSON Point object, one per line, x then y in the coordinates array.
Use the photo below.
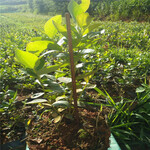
{"type": "Point", "coordinates": [72, 65]}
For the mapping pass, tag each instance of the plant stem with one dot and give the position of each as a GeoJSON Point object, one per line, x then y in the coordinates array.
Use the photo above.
{"type": "Point", "coordinates": [72, 66]}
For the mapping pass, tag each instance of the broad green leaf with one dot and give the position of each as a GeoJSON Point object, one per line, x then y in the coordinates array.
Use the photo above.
{"type": "Point", "coordinates": [53, 46]}
{"type": "Point", "coordinates": [61, 104]}
{"type": "Point", "coordinates": [48, 69]}
{"type": "Point", "coordinates": [85, 5]}
{"type": "Point", "coordinates": [31, 72]}
{"type": "Point", "coordinates": [91, 27]}
{"type": "Point", "coordinates": [84, 19]}
{"type": "Point", "coordinates": [36, 101]}
{"type": "Point", "coordinates": [61, 29]}
{"type": "Point", "coordinates": [25, 58]}
{"type": "Point", "coordinates": [49, 27]}
{"type": "Point", "coordinates": [39, 46]}
{"type": "Point", "coordinates": [75, 9]}
{"type": "Point", "coordinates": [39, 63]}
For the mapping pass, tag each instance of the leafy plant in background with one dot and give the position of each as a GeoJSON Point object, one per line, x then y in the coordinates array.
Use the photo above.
{"type": "Point", "coordinates": [130, 119]}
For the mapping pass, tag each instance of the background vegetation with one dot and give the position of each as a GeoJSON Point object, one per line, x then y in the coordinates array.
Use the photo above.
{"type": "Point", "coordinates": [101, 9]}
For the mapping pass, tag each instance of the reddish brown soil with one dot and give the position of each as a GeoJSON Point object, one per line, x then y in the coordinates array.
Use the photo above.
{"type": "Point", "coordinates": [90, 134]}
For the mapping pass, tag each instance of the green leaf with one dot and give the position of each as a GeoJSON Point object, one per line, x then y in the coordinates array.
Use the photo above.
{"type": "Point", "coordinates": [61, 29]}
{"type": "Point", "coordinates": [39, 64]}
{"type": "Point", "coordinates": [75, 9]}
{"type": "Point", "coordinates": [36, 39]}
{"type": "Point", "coordinates": [61, 97]}
{"type": "Point", "coordinates": [53, 46]}
{"type": "Point", "coordinates": [90, 86]}
{"type": "Point", "coordinates": [48, 69]}
{"type": "Point", "coordinates": [85, 5]}
{"type": "Point", "coordinates": [100, 92]}
{"type": "Point", "coordinates": [25, 58]}
{"type": "Point", "coordinates": [64, 80]}
{"type": "Point", "coordinates": [37, 95]}
{"type": "Point", "coordinates": [49, 27]}
{"type": "Point", "coordinates": [31, 72]}
{"type": "Point", "coordinates": [87, 51]}
{"type": "Point", "coordinates": [124, 125]}
{"type": "Point", "coordinates": [57, 119]}
{"type": "Point", "coordinates": [38, 47]}
{"type": "Point", "coordinates": [36, 101]}
{"type": "Point", "coordinates": [86, 75]}
{"type": "Point", "coordinates": [61, 104]}
{"type": "Point", "coordinates": [1, 110]}
{"type": "Point", "coordinates": [140, 89]}
{"type": "Point", "coordinates": [84, 19]}
{"type": "Point", "coordinates": [53, 86]}
{"type": "Point", "coordinates": [48, 52]}
{"type": "Point", "coordinates": [91, 27]}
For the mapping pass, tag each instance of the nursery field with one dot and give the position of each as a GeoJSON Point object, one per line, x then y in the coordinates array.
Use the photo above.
{"type": "Point", "coordinates": [112, 73]}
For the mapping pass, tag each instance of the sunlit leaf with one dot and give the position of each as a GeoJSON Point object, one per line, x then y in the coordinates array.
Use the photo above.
{"type": "Point", "coordinates": [90, 86]}
{"type": "Point", "coordinates": [37, 95]}
{"type": "Point", "coordinates": [49, 27]}
{"type": "Point", "coordinates": [140, 89]}
{"type": "Point", "coordinates": [75, 9]}
{"type": "Point", "coordinates": [61, 97]}
{"type": "Point", "coordinates": [61, 104]}
{"type": "Point", "coordinates": [64, 79]}
{"type": "Point", "coordinates": [36, 101]}
{"type": "Point", "coordinates": [25, 58]}
{"type": "Point", "coordinates": [87, 51]}
{"type": "Point", "coordinates": [61, 29]}
{"type": "Point", "coordinates": [91, 27]}
{"type": "Point", "coordinates": [29, 121]}
{"type": "Point", "coordinates": [85, 5]}
{"type": "Point", "coordinates": [37, 47]}
{"type": "Point", "coordinates": [57, 119]}
{"type": "Point", "coordinates": [83, 19]}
